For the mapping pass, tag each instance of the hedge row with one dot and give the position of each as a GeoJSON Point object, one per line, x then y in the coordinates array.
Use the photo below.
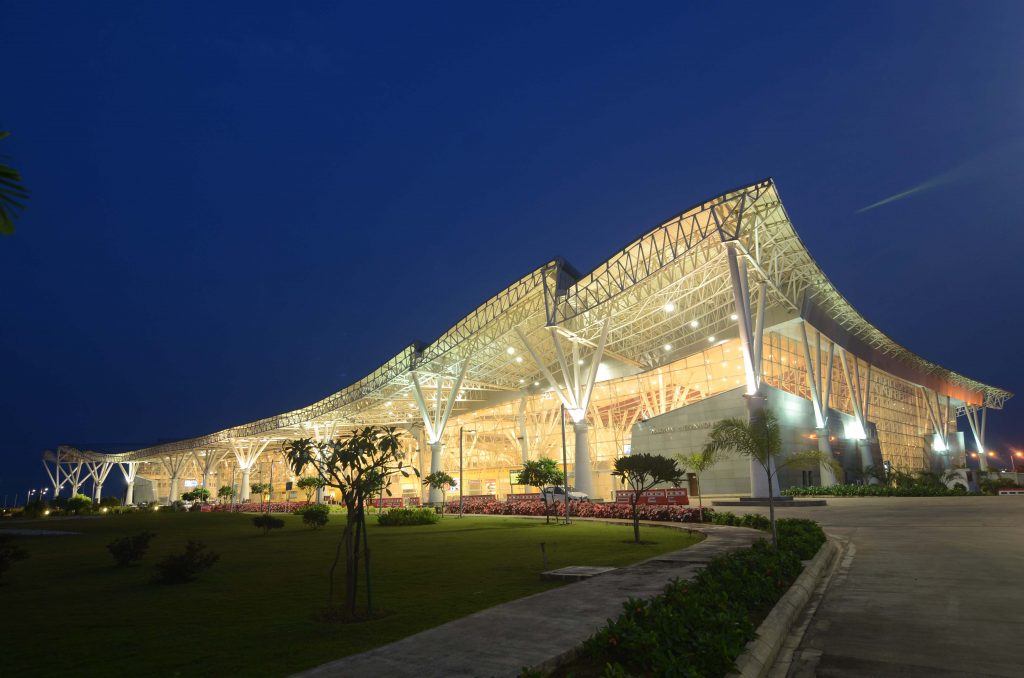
{"type": "Point", "coordinates": [674, 514]}
{"type": "Point", "coordinates": [700, 627]}
{"type": "Point", "coordinates": [918, 490]}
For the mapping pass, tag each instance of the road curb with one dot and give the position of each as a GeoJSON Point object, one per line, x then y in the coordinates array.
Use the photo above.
{"type": "Point", "coordinates": [760, 654]}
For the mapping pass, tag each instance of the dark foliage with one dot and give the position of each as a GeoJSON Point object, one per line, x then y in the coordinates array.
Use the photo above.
{"type": "Point", "coordinates": [128, 550]}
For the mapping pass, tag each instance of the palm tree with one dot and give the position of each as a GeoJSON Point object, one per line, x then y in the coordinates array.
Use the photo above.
{"type": "Point", "coordinates": [761, 440]}
{"type": "Point", "coordinates": [13, 195]}
{"type": "Point", "coordinates": [698, 463]}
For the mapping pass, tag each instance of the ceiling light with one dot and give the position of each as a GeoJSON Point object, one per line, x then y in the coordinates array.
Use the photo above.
{"type": "Point", "coordinates": [522, 381]}
{"type": "Point", "coordinates": [536, 383]}
{"type": "Point", "coordinates": [510, 350]}
{"type": "Point", "coordinates": [519, 358]}
{"type": "Point", "coordinates": [694, 324]}
{"type": "Point", "coordinates": [667, 347]}
{"type": "Point", "coordinates": [711, 339]}
{"type": "Point", "coordinates": [669, 307]}
{"type": "Point", "coordinates": [734, 317]}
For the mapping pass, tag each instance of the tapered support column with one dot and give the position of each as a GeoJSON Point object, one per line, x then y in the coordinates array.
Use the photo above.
{"type": "Point", "coordinates": [129, 469]}
{"type": "Point", "coordinates": [435, 496]}
{"type": "Point", "coordinates": [243, 493]}
{"type": "Point", "coordinates": [828, 476]}
{"type": "Point", "coordinates": [524, 442]}
{"type": "Point", "coordinates": [98, 492]}
{"type": "Point", "coordinates": [584, 473]}
{"type": "Point", "coordinates": [173, 494]}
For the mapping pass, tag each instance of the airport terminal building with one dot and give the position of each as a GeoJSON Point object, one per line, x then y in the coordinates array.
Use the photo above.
{"type": "Point", "coordinates": [715, 312]}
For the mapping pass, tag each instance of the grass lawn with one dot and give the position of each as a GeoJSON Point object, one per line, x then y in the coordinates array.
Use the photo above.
{"type": "Point", "coordinates": [71, 611]}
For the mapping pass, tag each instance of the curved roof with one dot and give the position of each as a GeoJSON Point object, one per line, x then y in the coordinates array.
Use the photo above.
{"type": "Point", "coordinates": [682, 261]}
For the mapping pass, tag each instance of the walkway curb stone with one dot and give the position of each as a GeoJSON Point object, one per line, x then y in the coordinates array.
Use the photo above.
{"type": "Point", "coordinates": [758, 658]}
{"type": "Point", "coordinates": [542, 630]}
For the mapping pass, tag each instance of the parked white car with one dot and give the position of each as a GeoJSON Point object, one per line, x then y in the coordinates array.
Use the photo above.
{"type": "Point", "coordinates": [557, 493]}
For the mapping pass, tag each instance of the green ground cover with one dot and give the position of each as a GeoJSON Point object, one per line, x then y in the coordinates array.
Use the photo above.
{"type": "Point", "coordinates": [74, 612]}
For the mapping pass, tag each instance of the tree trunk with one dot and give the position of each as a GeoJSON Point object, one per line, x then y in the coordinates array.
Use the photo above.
{"type": "Point", "coordinates": [355, 562]}
{"type": "Point", "coordinates": [334, 566]}
{"type": "Point", "coordinates": [547, 511]}
{"type": "Point", "coordinates": [700, 498]}
{"type": "Point", "coordinates": [366, 566]}
{"type": "Point", "coordinates": [636, 519]}
{"type": "Point", "coordinates": [771, 506]}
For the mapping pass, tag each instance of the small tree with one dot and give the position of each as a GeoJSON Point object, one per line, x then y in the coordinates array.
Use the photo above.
{"type": "Point", "coordinates": [13, 195]}
{"type": "Point", "coordinates": [79, 504]}
{"type": "Point", "coordinates": [761, 440]}
{"type": "Point", "coordinates": [128, 550]}
{"type": "Point", "coordinates": [540, 473]}
{"type": "Point", "coordinates": [698, 463]}
{"type": "Point", "coordinates": [439, 480]}
{"type": "Point", "coordinates": [315, 515]}
{"type": "Point", "coordinates": [641, 472]}
{"type": "Point", "coordinates": [262, 489]}
{"type": "Point", "coordinates": [225, 492]}
{"type": "Point", "coordinates": [267, 522]}
{"type": "Point", "coordinates": [358, 466]}
{"type": "Point", "coordinates": [179, 568]}
{"type": "Point", "coordinates": [10, 553]}
{"type": "Point", "coordinates": [309, 485]}
{"type": "Point", "coordinates": [198, 494]}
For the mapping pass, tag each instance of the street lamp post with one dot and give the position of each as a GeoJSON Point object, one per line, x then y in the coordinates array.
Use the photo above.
{"type": "Point", "coordinates": [460, 468]}
{"type": "Point", "coordinates": [565, 470]}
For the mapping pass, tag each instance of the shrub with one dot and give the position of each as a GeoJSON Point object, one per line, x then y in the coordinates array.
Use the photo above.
{"type": "Point", "coordinates": [314, 515]}
{"type": "Point", "coordinates": [921, 488]}
{"type": "Point", "coordinates": [698, 627]}
{"type": "Point", "coordinates": [801, 536]}
{"type": "Point", "coordinates": [110, 502]}
{"type": "Point", "coordinates": [585, 509]}
{"type": "Point", "coordinates": [183, 567]}
{"type": "Point", "coordinates": [993, 485]}
{"type": "Point", "coordinates": [128, 550]}
{"type": "Point", "coordinates": [10, 553]}
{"type": "Point", "coordinates": [33, 509]}
{"type": "Point", "coordinates": [754, 520]}
{"type": "Point", "coordinates": [408, 516]}
{"type": "Point", "coordinates": [267, 522]}
{"type": "Point", "coordinates": [79, 504]}
{"type": "Point", "coordinates": [176, 505]}
{"type": "Point", "coordinates": [196, 507]}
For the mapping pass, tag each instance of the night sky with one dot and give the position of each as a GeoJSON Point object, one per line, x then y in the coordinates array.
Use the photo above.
{"type": "Point", "coordinates": [236, 211]}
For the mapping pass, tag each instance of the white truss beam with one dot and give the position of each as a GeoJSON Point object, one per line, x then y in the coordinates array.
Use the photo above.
{"type": "Point", "coordinates": [435, 419]}
{"type": "Point", "coordinates": [129, 469]}
{"type": "Point", "coordinates": [812, 365]}
{"type": "Point", "coordinates": [977, 425]}
{"type": "Point", "coordinates": [98, 471]}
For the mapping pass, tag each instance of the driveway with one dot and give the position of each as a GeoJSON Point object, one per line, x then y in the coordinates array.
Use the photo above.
{"type": "Point", "coordinates": [926, 587]}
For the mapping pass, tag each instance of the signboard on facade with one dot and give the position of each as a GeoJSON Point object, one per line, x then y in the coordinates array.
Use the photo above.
{"type": "Point", "coordinates": [191, 483]}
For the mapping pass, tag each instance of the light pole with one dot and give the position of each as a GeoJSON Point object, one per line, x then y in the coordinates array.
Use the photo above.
{"type": "Point", "coordinates": [565, 469]}
{"type": "Point", "coordinates": [460, 469]}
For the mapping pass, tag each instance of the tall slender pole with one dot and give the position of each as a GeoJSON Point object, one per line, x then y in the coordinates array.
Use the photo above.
{"type": "Point", "coordinates": [460, 471]}
{"type": "Point", "coordinates": [565, 468]}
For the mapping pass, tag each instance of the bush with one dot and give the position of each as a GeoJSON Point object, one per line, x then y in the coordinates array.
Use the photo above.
{"type": "Point", "coordinates": [267, 522]}
{"type": "Point", "coordinates": [128, 550]}
{"type": "Point", "coordinates": [110, 502]}
{"type": "Point", "coordinates": [10, 553]}
{"type": "Point", "coordinates": [79, 504]}
{"type": "Point", "coordinates": [314, 515]}
{"type": "Point", "coordinates": [754, 520]}
{"type": "Point", "coordinates": [177, 505]}
{"type": "Point", "coordinates": [33, 509]}
{"type": "Point", "coordinates": [698, 627]}
{"type": "Point", "coordinates": [585, 509]}
{"type": "Point", "coordinates": [922, 488]}
{"type": "Point", "coordinates": [183, 567]}
{"type": "Point", "coordinates": [408, 516]}
{"type": "Point", "coordinates": [801, 536]}
{"type": "Point", "coordinates": [993, 485]}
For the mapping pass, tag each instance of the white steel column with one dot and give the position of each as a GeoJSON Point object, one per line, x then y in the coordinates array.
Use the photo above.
{"type": "Point", "coordinates": [524, 443]}
{"type": "Point", "coordinates": [98, 471]}
{"type": "Point", "coordinates": [54, 480]}
{"type": "Point", "coordinates": [861, 401]}
{"type": "Point", "coordinates": [434, 422]}
{"type": "Point", "coordinates": [174, 465]}
{"type": "Point", "coordinates": [321, 436]}
{"type": "Point", "coordinates": [977, 429]}
{"type": "Point", "coordinates": [751, 331]}
{"type": "Point", "coordinates": [575, 394]}
{"type": "Point", "coordinates": [74, 476]}
{"type": "Point", "coordinates": [247, 452]}
{"type": "Point", "coordinates": [129, 469]}
{"type": "Point", "coordinates": [207, 460]}
{"type": "Point", "coordinates": [819, 400]}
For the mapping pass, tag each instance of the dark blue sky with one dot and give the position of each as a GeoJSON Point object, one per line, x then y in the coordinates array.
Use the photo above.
{"type": "Point", "coordinates": [236, 211]}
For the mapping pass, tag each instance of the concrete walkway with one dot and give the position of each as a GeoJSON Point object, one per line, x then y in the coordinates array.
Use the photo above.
{"type": "Point", "coordinates": [501, 640]}
{"type": "Point", "coordinates": [926, 587]}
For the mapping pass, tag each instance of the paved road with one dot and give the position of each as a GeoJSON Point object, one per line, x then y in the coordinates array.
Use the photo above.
{"type": "Point", "coordinates": [927, 587]}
